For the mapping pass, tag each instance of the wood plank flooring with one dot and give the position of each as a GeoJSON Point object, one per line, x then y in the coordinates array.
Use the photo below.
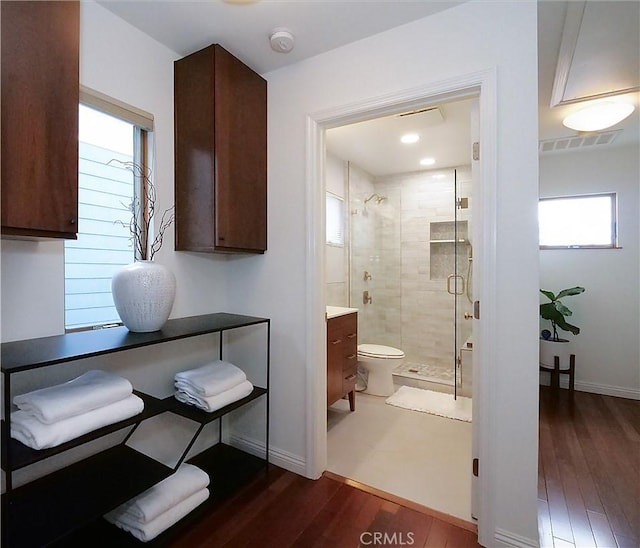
{"type": "Point", "coordinates": [588, 494]}
{"type": "Point", "coordinates": [282, 509]}
{"type": "Point", "coordinates": [589, 471]}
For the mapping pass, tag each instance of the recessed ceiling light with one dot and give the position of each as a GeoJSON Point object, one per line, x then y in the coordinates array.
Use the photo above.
{"type": "Point", "coordinates": [427, 161]}
{"type": "Point", "coordinates": [599, 115]}
{"type": "Point", "coordinates": [409, 138]}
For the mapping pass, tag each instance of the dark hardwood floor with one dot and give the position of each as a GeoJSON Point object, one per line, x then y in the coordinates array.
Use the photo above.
{"type": "Point", "coordinates": [283, 510]}
{"type": "Point", "coordinates": [589, 471]}
{"type": "Point", "coordinates": [588, 494]}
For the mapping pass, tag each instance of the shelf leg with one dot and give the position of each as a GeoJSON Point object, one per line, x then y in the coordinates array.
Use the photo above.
{"type": "Point", "coordinates": [8, 467]}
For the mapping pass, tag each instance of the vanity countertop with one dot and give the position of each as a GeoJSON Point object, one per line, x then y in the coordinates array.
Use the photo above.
{"type": "Point", "coordinates": [335, 311]}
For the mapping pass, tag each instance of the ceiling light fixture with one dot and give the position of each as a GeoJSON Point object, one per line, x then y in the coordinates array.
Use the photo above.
{"type": "Point", "coordinates": [599, 115]}
{"type": "Point", "coordinates": [409, 138]}
{"type": "Point", "coordinates": [427, 161]}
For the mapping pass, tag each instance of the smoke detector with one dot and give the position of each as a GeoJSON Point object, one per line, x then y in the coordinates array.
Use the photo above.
{"type": "Point", "coordinates": [282, 40]}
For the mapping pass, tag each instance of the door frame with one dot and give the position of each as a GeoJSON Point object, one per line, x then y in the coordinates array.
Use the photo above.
{"type": "Point", "coordinates": [482, 84]}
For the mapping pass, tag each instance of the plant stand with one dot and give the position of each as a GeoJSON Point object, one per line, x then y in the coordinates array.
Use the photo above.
{"type": "Point", "coordinates": [555, 372]}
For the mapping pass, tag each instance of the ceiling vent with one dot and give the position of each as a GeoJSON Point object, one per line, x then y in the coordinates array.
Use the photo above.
{"type": "Point", "coordinates": [429, 116]}
{"type": "Point", "coordinates": [579, 142]}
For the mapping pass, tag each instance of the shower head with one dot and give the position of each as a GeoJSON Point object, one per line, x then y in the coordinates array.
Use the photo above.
{"type": "Point", "coordinates": [377, 197]}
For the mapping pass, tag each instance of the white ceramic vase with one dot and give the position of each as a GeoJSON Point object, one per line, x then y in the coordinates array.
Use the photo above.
{"type": "Point", "coordinates": [143, 293]}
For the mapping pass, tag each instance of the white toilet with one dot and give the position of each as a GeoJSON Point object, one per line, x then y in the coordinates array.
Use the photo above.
{"type": "Point", "coordinates": [379, 361]}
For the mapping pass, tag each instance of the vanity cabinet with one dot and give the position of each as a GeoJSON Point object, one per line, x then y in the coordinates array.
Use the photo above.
{"type": "Point", "coordinates": [342, 358]}
{"type": "Point", "coordinates": [220, 154]}
{"type": "Point", "coordinates": [39, 104]}
{"type": "Point", "coordinates": [64, 508]}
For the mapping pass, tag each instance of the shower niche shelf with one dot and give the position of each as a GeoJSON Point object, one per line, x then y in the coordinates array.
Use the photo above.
{"type": "Point", "coordinates": [442, 248]}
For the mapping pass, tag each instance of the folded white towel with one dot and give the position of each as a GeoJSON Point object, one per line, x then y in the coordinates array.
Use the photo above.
{"type": "Point", "coordinates": [148, 531]}
{"type": "Point", "coordinates": [211, 379]}
{"type": "Point", "coordinates": [89, 391]}
{"type": "Point", "coordinates": [214, 403]}
{"type": "Point", "coordinates": [37, 435]}
{"type": "Point", "coordinates": [186, 481]}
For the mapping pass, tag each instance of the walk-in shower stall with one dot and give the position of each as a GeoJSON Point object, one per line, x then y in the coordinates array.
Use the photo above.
{"type": "Point", "coordinates": [411, 271]}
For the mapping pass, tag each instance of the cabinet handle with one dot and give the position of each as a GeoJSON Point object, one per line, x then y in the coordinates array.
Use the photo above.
{"type": "Point", "coordinates": [337, 341]}
{"type": "Point", "coordinates": [72, 221]}
{"type": "Point", "coordinates": [351, 357]}
{"type": "Point", "coordinates": [352, 335]}
{"type": "Point", "coordinates": [350, 377]}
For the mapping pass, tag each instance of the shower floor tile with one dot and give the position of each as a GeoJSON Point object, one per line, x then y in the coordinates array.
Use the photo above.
{"type": "Point", "coordinates": [417, 456]}
{"type": "Point", "coordinates": [432, 373]}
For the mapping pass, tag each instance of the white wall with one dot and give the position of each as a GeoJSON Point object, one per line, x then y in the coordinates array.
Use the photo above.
{"type": "Point", "coordinates": [465, 39]}
{"type": "Point", "coordinates": [607, 353]}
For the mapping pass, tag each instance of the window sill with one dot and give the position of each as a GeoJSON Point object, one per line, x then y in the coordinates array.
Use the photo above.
{"type": "Point", "coordinates": [543, 247]}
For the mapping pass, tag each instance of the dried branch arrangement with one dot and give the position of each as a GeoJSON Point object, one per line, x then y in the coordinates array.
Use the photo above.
{"type": "Point", "coordinates": [143, 212]}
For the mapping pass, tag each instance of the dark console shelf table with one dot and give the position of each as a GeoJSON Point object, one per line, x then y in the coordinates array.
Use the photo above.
{"type": "Point", "coordinates": [68, 503]}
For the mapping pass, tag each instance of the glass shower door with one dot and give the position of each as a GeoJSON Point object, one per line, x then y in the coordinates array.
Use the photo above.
{"type": "Point", "coordinates": [460, 286]}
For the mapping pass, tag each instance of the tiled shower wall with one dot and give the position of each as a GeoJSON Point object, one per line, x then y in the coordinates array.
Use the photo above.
{"type": "Point", "coordinates": [391, 241]}
{"type": "Point", "coordinates": [369, 255]}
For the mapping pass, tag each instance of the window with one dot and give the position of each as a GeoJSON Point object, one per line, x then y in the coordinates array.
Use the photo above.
{"type": "Point", "coordinates": [335, 220]}
{"type": "Point", "coordinates": [107, 132]}
{"type": "Point", "coordinates": [587, 221]}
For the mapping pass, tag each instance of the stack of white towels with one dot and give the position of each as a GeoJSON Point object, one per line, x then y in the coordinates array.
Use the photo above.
{"type": "Point", "coordinates": [164, 504]}
{"type": "Point", "coordinates": [51, 416]}
{"type": "Point", "coordinates": [212, 386]}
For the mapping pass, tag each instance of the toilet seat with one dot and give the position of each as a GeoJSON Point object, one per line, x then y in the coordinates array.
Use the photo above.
{"type": "Point", "coordinates": [379, 351]}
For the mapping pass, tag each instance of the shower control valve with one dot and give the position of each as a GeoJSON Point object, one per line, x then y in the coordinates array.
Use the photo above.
{"type": "Point", "coordinates": [366, 298]}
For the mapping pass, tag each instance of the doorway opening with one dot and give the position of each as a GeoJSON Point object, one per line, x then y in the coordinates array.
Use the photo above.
{"type": "Point", "coordinates": [404, 261]}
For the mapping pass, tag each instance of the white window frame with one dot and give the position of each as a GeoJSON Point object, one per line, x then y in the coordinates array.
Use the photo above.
{"type": "Point", "coordinates": [335, 236]}
{"type": "Point", "coordinates": [613, 240]}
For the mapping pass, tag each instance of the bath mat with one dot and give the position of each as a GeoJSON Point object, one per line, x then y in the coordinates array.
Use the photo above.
{"type": "Point", "coordinates": [435, 403]}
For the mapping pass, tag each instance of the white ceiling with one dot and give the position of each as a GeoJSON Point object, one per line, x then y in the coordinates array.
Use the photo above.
{"type": "Point", "coordinates": [598, 59]}
{"type": "Point", "coordinates": [599, 56]}
{"type": "Point", "coordinates": [244, 29]}
{"type": "Point", "coordinates": [376, 147]}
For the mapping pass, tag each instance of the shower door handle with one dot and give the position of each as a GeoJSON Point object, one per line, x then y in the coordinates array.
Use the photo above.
{"type": "Point", "coordinates": [452, 277]}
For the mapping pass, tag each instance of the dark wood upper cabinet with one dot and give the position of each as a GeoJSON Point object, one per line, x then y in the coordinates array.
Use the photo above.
{"type": "Point", "coordinates": [220, 154]}
{"type": "Point", "coordinates": [39, 103]}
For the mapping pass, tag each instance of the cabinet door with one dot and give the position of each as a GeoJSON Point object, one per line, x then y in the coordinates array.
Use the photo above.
{"type": "Point", "coordinates": [40, 65]}
{"type": "Point", "coordinates": [221, 154]}
{"type": "Point", "coordinates": [335, 352]}
{"type": "Point", "coordinates": [194, 151]}
{"type": "Point", "coordinates": [241, 155]}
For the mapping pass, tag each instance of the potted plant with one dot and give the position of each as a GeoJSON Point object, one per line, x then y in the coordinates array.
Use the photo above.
{"type": "Point", "coordinates": [144, 291]}
{"type": "Point", "coordinates": [556, 311]}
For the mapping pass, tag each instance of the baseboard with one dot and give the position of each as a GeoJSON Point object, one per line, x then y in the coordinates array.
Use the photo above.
{"type": "Point", "coordinates": [594, 388]}
{"type": "Point", "coordinates": [606, 390]}
{"type": "Point", "coordinates": [283, 459]}
{"type": "Point", "coordinates": [507, 539]}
